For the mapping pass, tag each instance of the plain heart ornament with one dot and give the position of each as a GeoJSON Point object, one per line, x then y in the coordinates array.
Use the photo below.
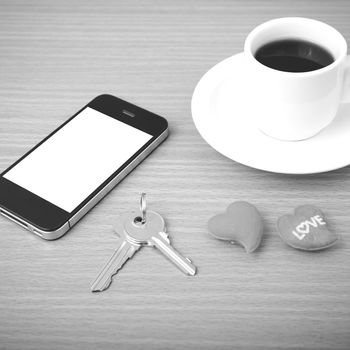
{"type": "Point", "coordinates": [241, 223]}
{"type": "Point", "coordinates": [306, 229]}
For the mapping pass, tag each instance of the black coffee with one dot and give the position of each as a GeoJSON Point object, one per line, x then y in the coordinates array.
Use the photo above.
{"type": "Point", "coordinates": [293, 55]}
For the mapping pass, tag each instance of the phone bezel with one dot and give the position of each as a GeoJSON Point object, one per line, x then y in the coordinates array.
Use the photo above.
{"type": "Point", "coordinates": [41, 214]}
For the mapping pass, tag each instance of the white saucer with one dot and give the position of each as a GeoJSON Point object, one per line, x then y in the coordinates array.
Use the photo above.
{"type": "Point", "coordinates": [220, 110]}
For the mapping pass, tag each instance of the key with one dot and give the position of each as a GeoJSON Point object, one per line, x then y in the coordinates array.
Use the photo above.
{"type": "Point", "coordinates": [152, 233]}
{"type": "Point", "coordinates": [122, 254]}
{"type": "Point", "coordinates": [134, 232]}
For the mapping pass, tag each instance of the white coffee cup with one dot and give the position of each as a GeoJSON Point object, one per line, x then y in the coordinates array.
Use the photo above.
{"type": "Point", "coordinates": [296, 106]}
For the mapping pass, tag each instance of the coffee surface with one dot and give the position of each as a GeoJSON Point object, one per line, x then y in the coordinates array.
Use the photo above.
{"type": "Point", "coordinates": [292, 55]}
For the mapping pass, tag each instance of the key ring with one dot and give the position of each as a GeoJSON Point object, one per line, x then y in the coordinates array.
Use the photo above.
{"type": "Point", "coordinates": [143, 207]}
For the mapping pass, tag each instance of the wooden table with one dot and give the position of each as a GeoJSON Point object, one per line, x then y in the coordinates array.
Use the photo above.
{"type": "Point", "coordinates": [54, 57]}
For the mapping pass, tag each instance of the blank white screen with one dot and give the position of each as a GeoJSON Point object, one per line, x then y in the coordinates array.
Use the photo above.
{"type": "Point", "coordinates": [72, 163]}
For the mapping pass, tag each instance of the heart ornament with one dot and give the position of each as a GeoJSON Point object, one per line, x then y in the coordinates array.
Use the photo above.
{"type": "Point", "coordinates": [241, 223]}
{"type": "Point", "coordinates": [306, 229]}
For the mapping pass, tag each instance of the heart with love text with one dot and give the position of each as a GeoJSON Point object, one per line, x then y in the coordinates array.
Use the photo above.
{"type": "Point", "coordinates": [306, 229]}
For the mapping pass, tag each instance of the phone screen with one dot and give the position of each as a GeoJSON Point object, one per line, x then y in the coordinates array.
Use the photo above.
{"type": "Point", "coordinates": [78, 158]}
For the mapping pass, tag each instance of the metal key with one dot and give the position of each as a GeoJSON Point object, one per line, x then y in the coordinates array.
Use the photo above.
{"type": "Point", "coordinates": [123, 253]}
{"type": "Point", "coordinates": [134, 232]}
{"type": "Point", "coordinates": [152, 233]}
{"type": "Point", "coordinates": [126, 250]}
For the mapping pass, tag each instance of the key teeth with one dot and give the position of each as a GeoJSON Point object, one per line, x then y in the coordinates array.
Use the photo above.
{"type": "Point", "coordinates": [109, 282]}
{"type": "Point", "coordinates": [97, 286]}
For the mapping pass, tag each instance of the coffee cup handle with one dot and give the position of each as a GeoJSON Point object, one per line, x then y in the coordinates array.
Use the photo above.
{"type": "Point", "coordinates": [346, 84]}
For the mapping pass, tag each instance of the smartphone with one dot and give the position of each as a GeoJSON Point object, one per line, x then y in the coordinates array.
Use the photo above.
{"type": "Point", "coordinates": [57, 182]}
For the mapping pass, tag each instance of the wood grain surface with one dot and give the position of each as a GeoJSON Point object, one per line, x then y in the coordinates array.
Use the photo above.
{"type": "Point", "coordinates": [57, 55]}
